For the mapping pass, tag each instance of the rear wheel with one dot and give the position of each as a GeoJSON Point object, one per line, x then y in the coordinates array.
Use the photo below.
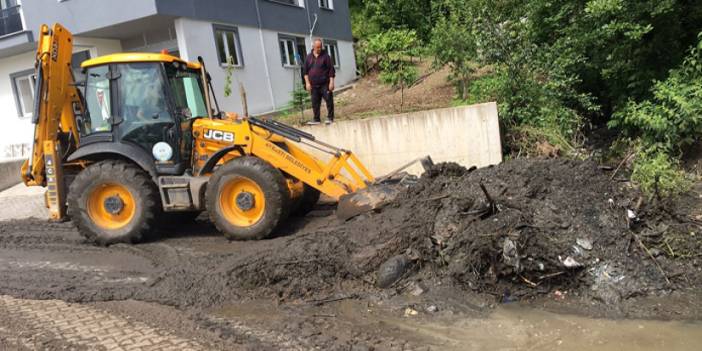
{"type": "Point", "coordinates": [247, 199]}
{"type": "Point", "coordinates": [113, 202]}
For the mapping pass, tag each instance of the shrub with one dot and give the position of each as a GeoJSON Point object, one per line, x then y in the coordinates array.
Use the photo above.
{"type": "Point", "coordinates": [657, 173]}
{"type": "Point", "coordinates": [673, 117]}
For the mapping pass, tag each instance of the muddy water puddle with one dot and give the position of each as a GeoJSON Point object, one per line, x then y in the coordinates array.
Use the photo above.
{"type": "Point", "coordinates": [516, 328]}
{"type": "Point", "coordinates": [508, 327]}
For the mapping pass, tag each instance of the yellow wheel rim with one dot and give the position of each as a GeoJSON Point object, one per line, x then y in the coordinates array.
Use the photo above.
{"type": "Point", "coordinates": [242, 201]}
{"type": "Point", "coordinates": [111, 206]}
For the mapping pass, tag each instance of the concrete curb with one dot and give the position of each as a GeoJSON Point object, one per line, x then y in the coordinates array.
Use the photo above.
{"type": "Point", "coordinates": [10, 173]}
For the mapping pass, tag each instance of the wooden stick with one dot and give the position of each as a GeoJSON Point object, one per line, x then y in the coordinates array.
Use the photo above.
{"type": "Point", "coordinates": [533, 285]}
{"type": "Point", "coordinates": [322, 302]}
{"type": "Point", "coordinates": [621, 164]}
{"type": "Point", "coordinates": [547, 276]}
{"type": "Point", "coordinates": [641, 244]}
{"type": "Point", "coordinates": [244, 101]}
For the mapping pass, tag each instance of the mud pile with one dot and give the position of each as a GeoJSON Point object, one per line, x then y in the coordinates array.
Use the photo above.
{"type": "Point", "coordinates": [543, 225]}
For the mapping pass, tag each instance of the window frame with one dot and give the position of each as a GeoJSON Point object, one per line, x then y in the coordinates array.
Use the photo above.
{"type": "Point", "coordinates": [332, 43]}
{"type": "Point", "coordinates": [94, 134]}
{"type": "Point", "coordinates": [298, 3]}
{"type": "Point", "coordinates": [294, 41]}
{"type": "Point", "coordinates": [29, 74]}
{"type": "Point", "coordinates": [237, 45]}
{"type": "Point", "coordinates": [329, 6]}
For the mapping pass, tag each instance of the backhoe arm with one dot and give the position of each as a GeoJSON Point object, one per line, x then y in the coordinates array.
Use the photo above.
{"type": "Point", "coordinates": [55, 129]}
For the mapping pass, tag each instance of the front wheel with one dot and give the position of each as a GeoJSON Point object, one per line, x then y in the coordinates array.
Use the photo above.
{"type": "Point", "coordinates": [113, 202]}
{"type": "Point", "coordinates": [247, 199]}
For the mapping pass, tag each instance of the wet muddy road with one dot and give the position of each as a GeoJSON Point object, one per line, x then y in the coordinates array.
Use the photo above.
{"type": "Point", "coordinates": [57, 292]}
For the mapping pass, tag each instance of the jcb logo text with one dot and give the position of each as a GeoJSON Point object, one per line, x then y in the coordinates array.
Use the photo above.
{"type": "Point", "coordinates": [219, 135]}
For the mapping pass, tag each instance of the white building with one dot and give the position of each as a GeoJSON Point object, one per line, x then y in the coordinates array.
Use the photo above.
{"type": "Point", "coordinates": [265, 39]}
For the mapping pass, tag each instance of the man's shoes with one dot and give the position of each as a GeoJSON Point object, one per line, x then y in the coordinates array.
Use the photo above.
{"type": "Point", "coordinates": [313, 123]}
{"type": "Point", "coordinates": [329, 121]}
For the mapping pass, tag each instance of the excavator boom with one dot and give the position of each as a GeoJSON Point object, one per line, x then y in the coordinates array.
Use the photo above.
{"type": "Point", "coordinates": [55, 129]}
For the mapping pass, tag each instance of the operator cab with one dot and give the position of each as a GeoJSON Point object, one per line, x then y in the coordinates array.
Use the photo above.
{"type": "Point", "coordinates": [146, 101]}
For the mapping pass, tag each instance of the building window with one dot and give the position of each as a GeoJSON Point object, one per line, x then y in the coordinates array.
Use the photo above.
{"type": "Point", "coordinates": [326, 4]}
{"type": "Point", "coordinates": [228, 48]}
{"type": "Point", "coordinates": [23, 88]}
{"type": "Point", "coordinates": [333, 50]}
{"type": "Point", "coordinates": [10, 17]}
{"type": "Point", "coordinates": [300, 3]}
{"type": "Point", "coordinates": [291, 51]}
{"type": "Point", "coordinates": [23, 84]}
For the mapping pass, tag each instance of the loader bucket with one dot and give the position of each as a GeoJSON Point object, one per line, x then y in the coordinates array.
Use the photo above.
{"type": "Point", "coordinates": [365, 200]}
{"type": "Point", "coordinates": [378, 194]}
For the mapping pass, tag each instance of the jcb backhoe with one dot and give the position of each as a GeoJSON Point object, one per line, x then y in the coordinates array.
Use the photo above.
{"type": "Point", "coordinates": [140, 139]}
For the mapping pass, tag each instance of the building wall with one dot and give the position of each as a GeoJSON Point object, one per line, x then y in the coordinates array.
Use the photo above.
{"type": "Point", "coordinates": [267, 83]}
{"type": "Point", "coordinates": [16, 130]}
{"type": "Point", "coordinates": [266, 14]}
{"type": "Point", "coordinates": [81, 16]}
{"type": "Point", "coordinates": [347, 72]}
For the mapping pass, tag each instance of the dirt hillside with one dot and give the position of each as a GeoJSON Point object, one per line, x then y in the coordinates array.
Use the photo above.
{"type": "Point", "coordinates": [369, 97]}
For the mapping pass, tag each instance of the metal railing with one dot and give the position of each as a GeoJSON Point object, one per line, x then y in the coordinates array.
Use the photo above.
{"type": "Point", "coordinates": [10, 20]}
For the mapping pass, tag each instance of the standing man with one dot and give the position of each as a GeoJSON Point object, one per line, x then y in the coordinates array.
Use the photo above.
{"type": "Point", "coordinates": [319, 81]}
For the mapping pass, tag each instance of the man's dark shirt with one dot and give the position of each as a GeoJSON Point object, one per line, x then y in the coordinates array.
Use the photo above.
{"type": "Point", "coordinates": [319, 68]}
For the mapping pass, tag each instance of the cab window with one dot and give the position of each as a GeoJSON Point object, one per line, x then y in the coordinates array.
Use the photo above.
{"type": "Point", "coordinates": [142, 99]}
{"type": "Point", "coordinates": [186, 87]}
{"type": "Point", "coordinates": [97, 97]}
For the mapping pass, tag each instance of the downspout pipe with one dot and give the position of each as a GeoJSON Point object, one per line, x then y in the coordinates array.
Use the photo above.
{"type": "Point", "coordinates": [314, 25]}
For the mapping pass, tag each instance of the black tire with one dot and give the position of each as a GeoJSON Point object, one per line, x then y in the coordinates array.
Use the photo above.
{"type": "Point", "coordinates": [275, 192]}
{"type": "Point", "coordinates": [306, 202]}
{"type": "Point", "coordinates": [141, 188]}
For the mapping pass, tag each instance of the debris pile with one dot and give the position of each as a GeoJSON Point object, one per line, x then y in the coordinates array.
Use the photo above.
{"type": "Point", "coordinates": [524, 228]}
{"type": "Point", "coordinates": [554, 228]}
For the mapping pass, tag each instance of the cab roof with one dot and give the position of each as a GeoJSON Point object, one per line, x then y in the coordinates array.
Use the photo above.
{"type": "Point", "coordinates": [136, 57]}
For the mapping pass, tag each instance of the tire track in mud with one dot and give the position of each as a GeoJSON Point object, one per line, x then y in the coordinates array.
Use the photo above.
{"type": "Point", "coordinates": [40, 260]}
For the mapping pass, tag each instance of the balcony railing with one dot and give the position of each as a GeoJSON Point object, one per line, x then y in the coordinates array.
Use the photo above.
{"type": "Point", "coordinates": [10, 20]}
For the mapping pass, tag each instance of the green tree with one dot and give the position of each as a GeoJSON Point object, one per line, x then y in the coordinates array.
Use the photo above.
{"type": "Point", "coordinates": [453, 42]}
{"type": "Point", "coordinates": [412, 15]}
{"type": "Point", "coordinates": [395, 49]}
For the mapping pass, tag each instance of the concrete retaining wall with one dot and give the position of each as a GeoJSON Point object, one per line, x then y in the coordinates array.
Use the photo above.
{"type": "Point", "coordinates": [10, 173]}
{"type": "Point", "coordinates": [467, 135]}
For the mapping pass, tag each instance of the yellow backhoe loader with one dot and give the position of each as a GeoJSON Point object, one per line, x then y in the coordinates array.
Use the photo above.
{"type": "Point", "coordinates": [139, 139]}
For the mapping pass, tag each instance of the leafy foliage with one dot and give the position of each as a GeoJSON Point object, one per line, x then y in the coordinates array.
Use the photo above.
{"type": "Point", "coordinates": [561, 65]}
{"type": "Point", "coordinates": [453, 43]}
{"type": "Point", "coordinates": [657, 173]}
{"type": "Point", "coordinates": [665, 124]}
{"type": "Point", "coordinates": [299, 99]}
{"type": "Point", "coordinates": [395, 49]}
{"type": "Point", "coordinates": [673, 116]}
{"type": "Point", "coordinates": [228, 74]}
